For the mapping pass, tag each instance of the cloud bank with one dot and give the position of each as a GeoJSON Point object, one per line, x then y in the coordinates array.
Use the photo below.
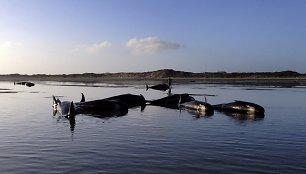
{"type": "Point", "coordinates": [94, 48]}
{"type": "Point", "coordinates": [149, 45]}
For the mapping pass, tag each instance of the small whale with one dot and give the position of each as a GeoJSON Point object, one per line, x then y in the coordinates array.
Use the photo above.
{"type": "Point", "coordinates": [172, 101]}
{"type": "Point", "coordinates": [161, 87]}
{"type": "Point", "coordinates": [240, 107]}
{"type": "Point", "coordinates": [28, 84]}
{"type": "Point", "coordinates": [199, 106]}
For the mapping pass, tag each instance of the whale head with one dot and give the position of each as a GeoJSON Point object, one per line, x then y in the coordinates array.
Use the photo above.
{"type": "Point", "coordinates": [63, 108]}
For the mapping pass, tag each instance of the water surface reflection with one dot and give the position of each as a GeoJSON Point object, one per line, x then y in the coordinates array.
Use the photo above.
{"type": "Point", "coordinates": [155, 140]}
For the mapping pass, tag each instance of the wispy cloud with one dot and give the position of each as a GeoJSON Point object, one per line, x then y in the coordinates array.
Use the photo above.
{"type": "Point", "coordinates": [10, 44]}
{"type": "Point", "coordinates": [94, 48]}
{"type": "Point", "coordinates": [149, 45]}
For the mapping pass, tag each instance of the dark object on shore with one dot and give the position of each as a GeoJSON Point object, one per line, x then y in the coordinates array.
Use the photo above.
{"type": "Point", "coordinates": [161, 87]}
{"type": "Point", "coordinates": [240, 107]}
{"type": "Point", "coordinates": [28, 84]}
{"type": "Point", "coordinates": [172, 101]}
{"type": "Point", "coordinates": [198, 107]}
{"type": "Point", "coordinates": [98, 108]}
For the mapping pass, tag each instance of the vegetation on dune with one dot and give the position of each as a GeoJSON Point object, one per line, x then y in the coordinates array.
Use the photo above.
{"type": "Point", "coordinates": [165, 73]}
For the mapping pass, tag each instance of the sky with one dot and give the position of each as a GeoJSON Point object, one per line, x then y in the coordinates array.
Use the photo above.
{"type": "Point", "coordinates": [98, 36]}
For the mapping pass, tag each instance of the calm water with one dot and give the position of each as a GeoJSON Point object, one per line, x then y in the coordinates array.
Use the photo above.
{"type": "Point", "coordinates": [157, 140]}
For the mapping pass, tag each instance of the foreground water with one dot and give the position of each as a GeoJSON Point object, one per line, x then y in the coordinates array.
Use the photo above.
{"type": "Point", "coordinates": [156, 140]}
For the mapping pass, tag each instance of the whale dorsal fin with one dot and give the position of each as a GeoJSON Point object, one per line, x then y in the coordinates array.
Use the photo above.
{"type": "Point", "coordinates": [83, 98]}
{"type": "Point", "coordinates": [71, 112]}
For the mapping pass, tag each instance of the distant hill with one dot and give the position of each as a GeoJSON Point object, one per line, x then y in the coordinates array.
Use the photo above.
{"type": "Point", "coordinates": [159, 74]}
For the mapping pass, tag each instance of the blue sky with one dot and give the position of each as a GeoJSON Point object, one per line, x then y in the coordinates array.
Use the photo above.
{"type": "Point", "coordinates": [77, 36]}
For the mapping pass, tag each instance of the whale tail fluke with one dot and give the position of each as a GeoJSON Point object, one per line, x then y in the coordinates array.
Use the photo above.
{"type": "Point", "coordinates": [147, 87]}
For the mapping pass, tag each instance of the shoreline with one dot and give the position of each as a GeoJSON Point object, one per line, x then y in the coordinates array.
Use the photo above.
{"type": "Point", "coordinates": [283, 82]}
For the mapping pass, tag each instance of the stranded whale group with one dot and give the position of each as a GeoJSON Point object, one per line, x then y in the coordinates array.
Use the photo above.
{"type": "Point", "coordinates": [119, 105]}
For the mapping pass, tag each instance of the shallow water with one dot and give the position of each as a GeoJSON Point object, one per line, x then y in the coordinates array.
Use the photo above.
{"type": "Point", "coordinates": [156, 140]}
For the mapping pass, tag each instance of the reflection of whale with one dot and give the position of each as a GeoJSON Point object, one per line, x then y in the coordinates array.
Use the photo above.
{"type": "Point", "coordinates": [245, 116]}
{"type": "Point", "coordinates": [99, 108]}
{"type": "Point", "coordinates": [198, 107]}
{"type": "Point", "coordinates": [240, 107]}
{"type": "Point", "coordinates": [172, 101]}
{"type": "Point", "coordinates": [28, 84]}
{"type": "Point", "coordinates": [199, 114]}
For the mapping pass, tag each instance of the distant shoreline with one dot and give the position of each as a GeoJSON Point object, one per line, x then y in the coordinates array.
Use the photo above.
{"type": "Point", "coordinates": [284, 78]}
{"type": "Point", "coordinates": [282, 82]}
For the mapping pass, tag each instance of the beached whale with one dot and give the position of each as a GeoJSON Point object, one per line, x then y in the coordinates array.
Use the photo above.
{"type": "Point", "coordinates": [240, 107]}
{"type": "Point", "coordinates": [28, 84]}
{"type": "Point", "coordinates": [130, 100]}
{"type": "Point", "coordinates": [202, 108]}
{"type": "Point", "coordinates": [172, 101]}
{"type": "Point", "coordinates": [161, 87]}
{"type": "Point", "coordinates": [99, 108]}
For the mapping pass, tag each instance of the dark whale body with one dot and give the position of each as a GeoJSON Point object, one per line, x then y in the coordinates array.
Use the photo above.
{"type": "Point", "coordinates": [102, 108]}
{"type": "Point", "coordinates": [129, 99]}
{"type": "Point", "coordinates": [160, 87]}
{"type": "Point", "coordinates": [172, 101]}
{"type": "Point", "coordinates": [28, 84]}
{"type": "Point", "coordinates": [99, 108]}
{"type": "Point", "coordinates": [240, 107]}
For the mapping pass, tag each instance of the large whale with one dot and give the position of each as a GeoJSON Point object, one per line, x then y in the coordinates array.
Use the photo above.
{"type": "Point", "coordinates": [240, 107]}
{"type": "Point", "coordinates": [99, 108]}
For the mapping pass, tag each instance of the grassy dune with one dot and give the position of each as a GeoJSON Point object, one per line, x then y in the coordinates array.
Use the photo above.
{"type": "Point", "coordinates": [283, 78]}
